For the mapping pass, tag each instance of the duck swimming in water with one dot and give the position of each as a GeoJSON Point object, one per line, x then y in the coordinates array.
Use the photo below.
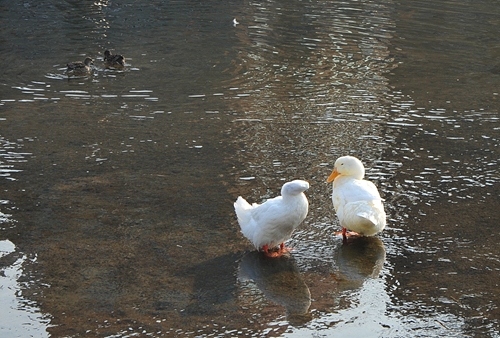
{"type": "Point", "coordinates": [79, 67]}
{"type": "Point", "coordinates": [273, 222]}
{"type": "Point", "coordinates": [114, 59]}
{"type": "Point", "coordinates": [357, 201]}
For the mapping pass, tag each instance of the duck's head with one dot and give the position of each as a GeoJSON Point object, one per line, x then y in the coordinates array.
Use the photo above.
{"type": "Point", "coordinates": [107, 53]}
{"type": "Point", "coordinates": [348, 166]}
{"type": "Point", "coordinates": [88, 61]}
{"type": "Point", "coordinates": [294, 187]}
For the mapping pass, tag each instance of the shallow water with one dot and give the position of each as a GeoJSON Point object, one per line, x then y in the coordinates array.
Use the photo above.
{"type": "Point", "coordinates": [116, 215]}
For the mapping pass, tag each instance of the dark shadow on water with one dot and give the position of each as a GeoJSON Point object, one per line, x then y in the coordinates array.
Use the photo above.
{"type": "Point", "coordinates": [280, 281]}
{"type": "Point", "coordinates": [214, 289]}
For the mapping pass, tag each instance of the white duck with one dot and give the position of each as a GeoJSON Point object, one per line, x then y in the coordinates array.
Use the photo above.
{"type": "Point", "coordinates": [273, 222]}
{"type": "Point", "coordinates": [357, 202]}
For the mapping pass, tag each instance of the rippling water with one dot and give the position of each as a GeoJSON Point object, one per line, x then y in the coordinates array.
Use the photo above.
{"type": "Point", "coordinates": [116, 216]}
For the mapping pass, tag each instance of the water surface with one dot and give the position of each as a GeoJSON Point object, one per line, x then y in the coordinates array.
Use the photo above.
{"type": "Point", "coordinates": [116, 211]}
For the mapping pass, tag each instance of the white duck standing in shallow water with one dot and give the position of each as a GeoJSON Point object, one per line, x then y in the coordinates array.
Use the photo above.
{"type": "Point", "coordinates": [357, 202]}
{"type": "Point", "coordinates": [273, 222]}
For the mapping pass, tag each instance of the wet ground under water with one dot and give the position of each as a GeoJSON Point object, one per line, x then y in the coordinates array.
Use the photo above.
{"type": "Point", "coordinates": [116, 216]}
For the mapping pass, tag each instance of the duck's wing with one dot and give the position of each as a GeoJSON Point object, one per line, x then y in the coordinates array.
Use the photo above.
{"type": "Point", "coordinates": [115, 59]}
{"type": "Point", "coordinates": [269, 210]}
{"type": "Point", "coordinates": [77, 67]}
{"type": "Point", "coordinates": [357, 190]}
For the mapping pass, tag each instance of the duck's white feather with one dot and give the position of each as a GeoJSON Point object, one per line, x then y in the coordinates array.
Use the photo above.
{"type": "Point", "coordinates": [357, 202]}
{"type": "Point", "coordinates": [274, 221]}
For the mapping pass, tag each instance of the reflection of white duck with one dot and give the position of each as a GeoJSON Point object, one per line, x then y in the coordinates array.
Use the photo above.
{"type": "Point", "coordinates": [357, 202]}
{"type": "Point", "coordinates": [280, 281]}
{"type": "Point", "coordinates": [360, 258]}
{"type": "Point", "coordinates": [273, 222]}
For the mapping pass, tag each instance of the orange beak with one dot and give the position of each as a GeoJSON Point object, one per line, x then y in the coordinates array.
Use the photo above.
{"type": "Point", "coordinates": [334, 174]}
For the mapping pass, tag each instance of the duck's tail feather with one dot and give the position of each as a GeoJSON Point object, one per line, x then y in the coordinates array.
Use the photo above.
{"type": "Point", "coordinates": [242, 208]}
{"type": "Point", "coordinates": [376, 216]}
{"type": "Point", "coordinates": [368, 216]}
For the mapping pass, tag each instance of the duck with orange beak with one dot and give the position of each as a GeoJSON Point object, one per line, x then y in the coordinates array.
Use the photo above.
{"type": "Point", "coordinates": [357, 201]}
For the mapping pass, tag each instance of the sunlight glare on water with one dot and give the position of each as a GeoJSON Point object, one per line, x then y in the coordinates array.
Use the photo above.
{"type": "Point", "coordinates": [20, 317]}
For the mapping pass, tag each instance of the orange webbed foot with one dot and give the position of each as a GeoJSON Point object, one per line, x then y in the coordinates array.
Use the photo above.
{"type": "Point", "coordinates": [278, 253]}
{"type": "Point", "coordinates": [346, 234]}
{"type": "Point", "coordinates": [284, 249]}
{"type": "Point", "coordinates": [274, 254]}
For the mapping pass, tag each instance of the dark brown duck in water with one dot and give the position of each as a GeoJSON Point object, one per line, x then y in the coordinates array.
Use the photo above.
{"type": "Point", "coordinates": [79, 67]}
{"type": "Point", "coordinates": [114, 59]}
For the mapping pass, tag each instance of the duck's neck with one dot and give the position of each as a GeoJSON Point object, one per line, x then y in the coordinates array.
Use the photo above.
{"type": "Point", "coordinates": [341, 179]}
{"type": "Point", "coordinates": [294, 198]}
